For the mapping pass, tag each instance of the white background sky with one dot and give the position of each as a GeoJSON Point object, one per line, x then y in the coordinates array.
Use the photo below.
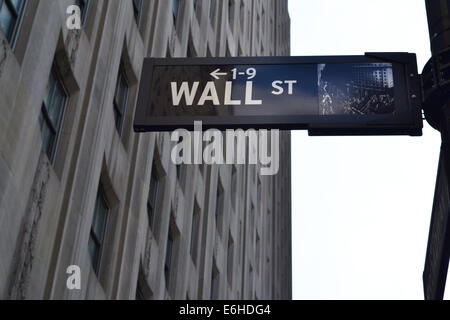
{"type": "Point", "coordinates": [361, 205]}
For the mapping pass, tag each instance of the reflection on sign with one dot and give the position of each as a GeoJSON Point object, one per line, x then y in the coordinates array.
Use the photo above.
{"type": "Point", "coordinates": [356, 88]}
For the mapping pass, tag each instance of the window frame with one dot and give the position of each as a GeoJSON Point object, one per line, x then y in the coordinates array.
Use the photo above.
{"type": "Point", "coordinates": [180, 168]}
{"type": "Point", "coordinates": [84, 10]}
{"type": "Point", "coordinates": [175, 13]}
{"type": "Point", "coordinates": [212, 10]}
{"type": "Point", "coordinates": [168, 260]}
{"type": "Point", "coordinates": [230, 260]}
{"type": "Point", "coordinates": [195, 228]}
{"type": "Point", "coordinates": [231, 9]}
{"type": "Point", "coordinates": [214, 289]}
{"type": "Point", "coordinates": [233, 186]}
{"type": "Point", "coordinates": [137, 11]}
{"type": "Point", "coordinates": [152, 197]}
{"type": "Point", "coordinates": [56, 131]}
{"type": "Point", "coordinates": [139, 295]}
{"type": "Point", "coordinates": [96, 265]}
{"type": "Point", "coordinates": [12, 38]}
{"type": "Point", "coordinates": [121, 75]}
{"type": "Point", "coordinates": [220, 201]}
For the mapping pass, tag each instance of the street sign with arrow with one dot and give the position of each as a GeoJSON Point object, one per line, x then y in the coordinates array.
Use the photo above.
{"type": "Point", "coordinates": [376, 93]}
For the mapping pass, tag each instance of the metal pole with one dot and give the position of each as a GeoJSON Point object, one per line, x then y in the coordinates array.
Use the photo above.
{"type": "Point", "coordinates": [436, 105]}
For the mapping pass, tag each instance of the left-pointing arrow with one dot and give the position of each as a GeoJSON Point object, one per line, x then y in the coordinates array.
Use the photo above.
{"type": "Point", "coordinates": [216, 73]}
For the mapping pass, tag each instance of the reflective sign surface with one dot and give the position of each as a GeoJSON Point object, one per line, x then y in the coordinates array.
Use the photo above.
{"type": "Point", "coordinates": [358, 93]}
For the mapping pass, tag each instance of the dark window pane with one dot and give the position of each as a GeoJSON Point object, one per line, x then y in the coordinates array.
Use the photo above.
{"type": "Point", "coordinates": [56, 105]}
{"type": "Point", "coordinates": [179, 171]}
{"type": "Point", "coordinates": [7, 20]}
{"type": "Point", "coordinates": [233, 186]}
{"type": "Point", "coordinates": [179, 167]}
{"type": "Point", "coordinates": [139, 294]}
{"type": "Point", "coordinates": [214, 294]}
{"type": "Point", "coordinates": [154, 187]}
{"type": "Point", "coordinates": [120, 99]}
{"type": "Point", "coordinates": [52, 112]}
{"type": "Point", "coordinates": [94, 249]}
{"type": "Point", "coordinates": [118, 120]}
{"type": "Point", "coordinates": [51, 86]}
{"type": "Point", "coordinates": [10, 14]}
{"type": "Point", "coordinates": [98, 229]}
{"type": "Point", "coordinates": [84, 6]}
{"type": "Point", "coordinates": [175, 6]}
{"type": "Point", "coordinates": [41, 119]}
{"type": "Point", "coordinates": [122, 94]}
{"type": "Point", "coordinates": [47, 134]}
{"type": "Point", "coordinates": [168, 262]}
{"type": "Point", "coordinates": [137, 7]}
{"type": "Point", "coordinates": [17, 4]}
{"type": "Point", "coordinates": [98, 226]}
{"type": "Point", "coordinates": [212, 9]}
{"type": "Point", "coordinates": [152, 197]}
{"type": "Point", "coordinates": [219, 207]}
{"type": "Point", "coordinates": [230, 260]}
{"type": "Point", "coordinates": [194, 233]}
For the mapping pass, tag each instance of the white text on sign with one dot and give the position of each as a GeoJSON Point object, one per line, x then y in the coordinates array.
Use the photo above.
{"type": "Point", "coordinates": [191, 94]}
{"type": "Point", "coordinates": [210, 94]}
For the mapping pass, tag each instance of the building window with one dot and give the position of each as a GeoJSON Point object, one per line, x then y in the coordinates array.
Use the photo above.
{"type": "Point", "coordinates": [180, 166]}
{"type": "Point", "coordinates": [152, 197]}
{"type": "Point", "coordinates": [242, 16]}
{"type": "Point", "coordinates": [143, 291]}
{"type": "Point", "coordinates": [52, 112]}
{"type": "Point", "coordinates": [258, 252]}
{"type": "Point", "coordinates": [120, 99]}
{"type": "Point", "coordinates": [195, 232]}
{"type": "Point", "coordinates": [195, 5]}
{"type": "Point", "coordinates": [230, 260]}
{"type": "Point", "coordinates": [137, 8]}
{"type": "Point", "coordinates": [98, 229]}
{"type": "Point", "coordinates": [214, 293]}
{"type": "Point", "coordinates": [233, 186]}
{"type": "Point", "coordinates": [11, 12]}
{"type": "Point", "coordinates": [139, 294]}
{"type": "Point", "coordinates": [259, 191]}
{"type": "Point", "coordinates": [219, 207]}
{"type": "Point", "coordinates": [180, 173]}
{"type": "Point", "coordinates": [168, 261]}
{"type": "Point", "coordinates": [84, 6]}
{"type": "Point", "coordinates": [212, 9]}
{"type": "Point", "coordinates": [175, 8]}
{"type": "Point", "coordinates": [230, 11]}
{"type": "Point", "coordinates": [190, 51]}
{"type": "Point", "coordinates": [263, 21]}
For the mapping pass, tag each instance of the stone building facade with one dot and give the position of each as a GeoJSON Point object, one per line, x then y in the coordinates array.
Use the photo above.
{"type": "Point", "coordinates": [79, 187]}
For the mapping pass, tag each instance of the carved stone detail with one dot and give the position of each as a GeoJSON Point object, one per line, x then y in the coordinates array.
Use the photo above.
{"type": "Point", "coordinates": [72, 44]}
{"type": "Point", "coordinates": [3, 54]}
{"type": "Point", "coordinates": [25, 249]}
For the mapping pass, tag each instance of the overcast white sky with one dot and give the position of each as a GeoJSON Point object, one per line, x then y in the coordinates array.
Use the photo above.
{"type": "Point", "coordinates": [361, 205]}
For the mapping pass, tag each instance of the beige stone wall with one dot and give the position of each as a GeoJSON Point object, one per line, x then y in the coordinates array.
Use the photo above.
{"type": "Point", "coordinates": [46, 209]}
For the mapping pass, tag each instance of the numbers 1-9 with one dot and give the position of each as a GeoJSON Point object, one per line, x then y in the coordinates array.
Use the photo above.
{"type": "Point", "coordinates": [250, 72]}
